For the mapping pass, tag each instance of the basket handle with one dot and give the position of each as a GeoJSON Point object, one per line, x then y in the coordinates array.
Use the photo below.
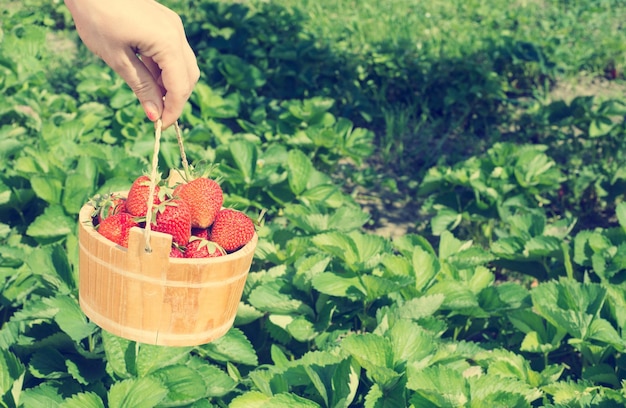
{"type": "Point", "coordinates": [154, 173]}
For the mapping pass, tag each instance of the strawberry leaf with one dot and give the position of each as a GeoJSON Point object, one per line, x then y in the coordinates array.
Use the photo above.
{"type": "Point", "coordinates": [52, 225]}
{"type": "Point", "coordinates": [83, 400]}
{"type": "Point", "coordinates": [299, 171]}
{"type": "Point", "coordinates": [234, 346]}
{"type": "Point", "coordinates": [144, 392]}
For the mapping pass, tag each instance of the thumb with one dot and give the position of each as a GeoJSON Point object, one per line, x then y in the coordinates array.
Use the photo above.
{"type": "Point", "coordinates": [139, 78]}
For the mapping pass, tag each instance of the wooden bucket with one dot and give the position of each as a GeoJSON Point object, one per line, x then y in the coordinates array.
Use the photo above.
{"type": "Point", "coordinates": [152, 298]}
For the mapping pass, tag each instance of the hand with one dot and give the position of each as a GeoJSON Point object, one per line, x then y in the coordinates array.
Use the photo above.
{"type": "Point", "coordinates": [144, 42]}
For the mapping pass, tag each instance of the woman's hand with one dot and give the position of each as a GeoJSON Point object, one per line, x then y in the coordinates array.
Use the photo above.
{"type": "Point", "coordinates": [144, 42]}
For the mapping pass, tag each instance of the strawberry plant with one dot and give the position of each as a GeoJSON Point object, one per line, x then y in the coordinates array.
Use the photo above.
{"type": "Point", "coordinates": [507, 290]}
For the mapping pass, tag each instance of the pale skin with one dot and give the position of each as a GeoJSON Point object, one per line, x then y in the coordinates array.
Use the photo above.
{"type": "Point", "coordinates": [144, 42]}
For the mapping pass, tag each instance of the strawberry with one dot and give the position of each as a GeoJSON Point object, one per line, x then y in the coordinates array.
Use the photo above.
{"type": "Point", "coordinates": [173, 217]}
{"type": "Point", "coordinates": [176, 252]}
{"type": "Point", "coordinates": [203, 248]}
{"type": "Point", "coordinates": [117, 228]}
{"type": "Point", "coordinates": [137, 200]}
{"type": "Point", "coordinates": [106, 205]}
{"type": "Point", "coordinates": [232, 229]}
{"type": "Point", "coordinates": [205, 198]}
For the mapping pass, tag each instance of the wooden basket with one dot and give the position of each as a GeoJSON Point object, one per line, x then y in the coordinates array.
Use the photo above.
{"type": "Point", "coordinates": [151, 298]}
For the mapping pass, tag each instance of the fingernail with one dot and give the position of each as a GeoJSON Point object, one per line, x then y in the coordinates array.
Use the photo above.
{"type": "Point", "coordinates": [151, 111]}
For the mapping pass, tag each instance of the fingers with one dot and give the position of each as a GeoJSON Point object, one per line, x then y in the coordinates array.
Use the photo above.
{"type": "Point", "coordinates": [161, 90]}
{"type": "Point", "coordinates": [175, 73]}
{"type": "Point", "coordinates": [140, 78]}
{"type": "Point", "coordinates": [178, 78]}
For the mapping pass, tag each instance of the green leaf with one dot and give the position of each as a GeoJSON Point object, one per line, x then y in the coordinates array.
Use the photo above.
{"type": "Point", "coordinates": [344, 384]}
{"type": "Point", "coordinates": [449, 245]}
{"type": "Point", "coordinates": [501, 391]}
{"type": "Point", "coordinates": [83, 400]}
{"type": "Point", "coordinates": [145, 392]}
{"type": "Point", "coordinates": [49, 264]}
{"type": "Point", "coordinates": [307, 268]}
{"type": "Point", "coordinates": [481, 278]}
{"type": "Point", "coordinates": [375, 397]}
{"type": "Point", "coordinates": [541, 336]}
{"type": "Point", "coordinates": [151, 358]}
{"type": "Point", "coordinates": [573, 393]}
{"type": "Point", "coordinates": [334, 379]}
{"type": "Point", "coordinates": [11, 376]}
{"type": "Point", "coordinates": [542, 246]}
{"type": "Point", "coordinates": [508, 248]}
{"type": "Point", "coordinates": [445, 220]}
{"type": "Point", "coordinates": [375, 354]}
{"type": "Point", "coordinates": [426, 267]}
{"type": "Point", "coordinates": [470, 257]}
{"type": "Point", "coordinates": [120, 355]}
{"type": "Point", "coordinates": [240, 73]}
{"type": "Point", "coordinates": [376, 287]}
{"type": "Point", "coordinates": [213, 105]}
{"type": "Point", "coordinates": [600, 126]}
{"type": "Point", "coordinates": [5, 191]}
{"type": "Point", "coordinates": [338, 244]}
{"type": "Point", "coordinates": [457, 295]}
{"type": "Point", "coordinates": [329, 195]}
{"type": "Point", "coordinates": [85, 370]}
{"type": "Point", "coordinates": [302, 329]}
{"type": "Point", "coordinates": [409, 342]}
{"type": "Point", "coordinates": [245, 155]}
{"type": "Point", "coordinates": [299, 171]}
{"type": "Point", "coordinates": [620, 212]}
{"type": "Point", "coordinates": [369, 350]}
{"type": "Point", "coordinates": [184, 384]}
{"type": "Point", "coordinates": [254, 399]}
{"type": "Point", "coordinates": [318, 383]}
{"type": "Point", "coordinates": [70, 317]}
{"type": "Point", "coordinates": [271, 298]}
{"type": "Point", "coordinates": [341, 286]}
{"type": "Point", "coordinates": [505, 364]}
{"type": "Point", "coordinates": [602, 330]}
{"type": "Point", "coordinates": [421, 307]}
{"type": "Point", "coordinates": [359, 251]}
{"type": "Point", "coordinates": [79, 185]}
{"type": "Point", "coordinates": [601, 374]}
{"type": "Point", "coordinates": [247, 314]}
{"type": "Point", "coordinates": [53, 223]}
{"type": "Point", "coordinates": [48, 188]}
{"type": "Point", "coordinates": [44, 395]}
{"type": "Point", "coordinates": [217, 382]}
{"type": "Point", "coordinates": [569, 305]}
{"type": "Point", "coordinates": [234, 346]}
{"type": "Point", "coordinates": [48, 363]}
{"type": "Point", "coordinates": [441, 386]}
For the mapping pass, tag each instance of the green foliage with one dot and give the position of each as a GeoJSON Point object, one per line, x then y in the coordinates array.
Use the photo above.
{"type": "Point", "coordinates": [513, 295]}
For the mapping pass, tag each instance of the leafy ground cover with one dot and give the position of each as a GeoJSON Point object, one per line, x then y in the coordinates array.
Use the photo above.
{"type": "Point", "coordinates": [506, 291]}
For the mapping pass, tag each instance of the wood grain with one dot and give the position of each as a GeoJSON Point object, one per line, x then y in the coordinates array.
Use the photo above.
{"type": "Point", "coordinates": [152, 298]}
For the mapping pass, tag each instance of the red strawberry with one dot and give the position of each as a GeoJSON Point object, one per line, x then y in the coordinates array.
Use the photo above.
{"type": "Point", "coordinates": [117, 228]}
{"type": "Point", "coordinates": [232, 229]}
{"type": "Point", "coordinates": [137, 200]}
{"type": "Point", "coordinates": [205, 198]}
{"type": "Point", "coordinates": [176, 252]}
{"type": "Point", "coordinates": [106, 205]}
{"type": "Point", "coordinates": [173, 217]}
{"type": "Point", "coordinates": [203, 248]}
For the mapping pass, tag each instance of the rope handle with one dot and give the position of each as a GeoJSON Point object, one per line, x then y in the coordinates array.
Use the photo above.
{"type": "Point", "coordinates": [155, 171]}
